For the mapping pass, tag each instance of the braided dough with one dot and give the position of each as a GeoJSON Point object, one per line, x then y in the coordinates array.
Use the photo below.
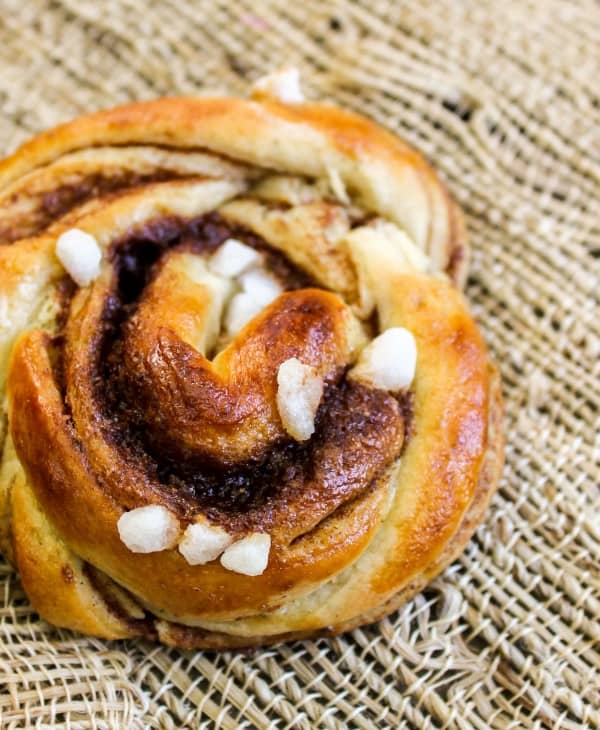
{"type": "Point", "coordinates": [132, 390]}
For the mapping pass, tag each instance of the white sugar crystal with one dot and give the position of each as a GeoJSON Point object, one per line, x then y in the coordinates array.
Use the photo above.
{"type": "Point", "coordinates": [261, 286]}
{"type": "Point", "coordinates": [283, 85]}
{"type": "Point", "coordinates": [202, 543]}
{"type": "Point", "coordinates": [389, 361]}
{"type": "Point", "coordinates": [299, 393]}
{"type": "Point", "coordinates": [249, 556]}
{"type": "Point", "coordinates": [242, 308]}
{"type": "Point", "coordinates": [149, 529]}
{"type": "Point", "coordinates": [232, 258]}
{"type": "Point", "coordinates": [80, 254]}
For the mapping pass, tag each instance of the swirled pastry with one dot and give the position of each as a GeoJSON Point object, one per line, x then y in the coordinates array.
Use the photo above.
{"type": "Point", "coordinates": [246, 400]}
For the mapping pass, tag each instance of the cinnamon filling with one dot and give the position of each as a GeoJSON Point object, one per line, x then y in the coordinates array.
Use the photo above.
{"type": "Point", "coordinates": [135, 254]}
{"type": "Point", "coordinates": [51, 205]}
{"type": "Point", "coordinates": [359, 432]}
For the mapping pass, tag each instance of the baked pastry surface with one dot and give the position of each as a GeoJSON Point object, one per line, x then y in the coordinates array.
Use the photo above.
{"type": "Point", "coordinates": [144, 387]}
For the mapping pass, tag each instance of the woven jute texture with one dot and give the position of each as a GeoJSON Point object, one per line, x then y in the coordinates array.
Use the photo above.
{"type": "Point", "coordinates": [500, 97]}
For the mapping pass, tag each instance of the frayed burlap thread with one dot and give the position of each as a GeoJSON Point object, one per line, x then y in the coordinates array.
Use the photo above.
{"type": "Point", "coordinates": [503, 98]}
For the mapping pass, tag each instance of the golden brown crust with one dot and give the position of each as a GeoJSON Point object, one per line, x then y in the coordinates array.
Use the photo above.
{"type": "Point", "coordinates": [384, 173]}
{"type": "Point", "coordinates": [129, 410]}
{"type": "Point", "coordinates": [190, 638]}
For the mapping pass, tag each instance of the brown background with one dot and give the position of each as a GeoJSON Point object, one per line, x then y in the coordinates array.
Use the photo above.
{"type": "Point", "coordinates": [503, 97]}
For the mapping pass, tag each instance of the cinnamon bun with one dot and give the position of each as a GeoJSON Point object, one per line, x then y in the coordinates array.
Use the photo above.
{"type": "Point", "coordinates": [245, 398]}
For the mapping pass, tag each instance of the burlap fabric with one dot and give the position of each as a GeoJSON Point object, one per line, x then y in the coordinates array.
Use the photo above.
{"type": "Point", "coordinates": [500, 96]}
